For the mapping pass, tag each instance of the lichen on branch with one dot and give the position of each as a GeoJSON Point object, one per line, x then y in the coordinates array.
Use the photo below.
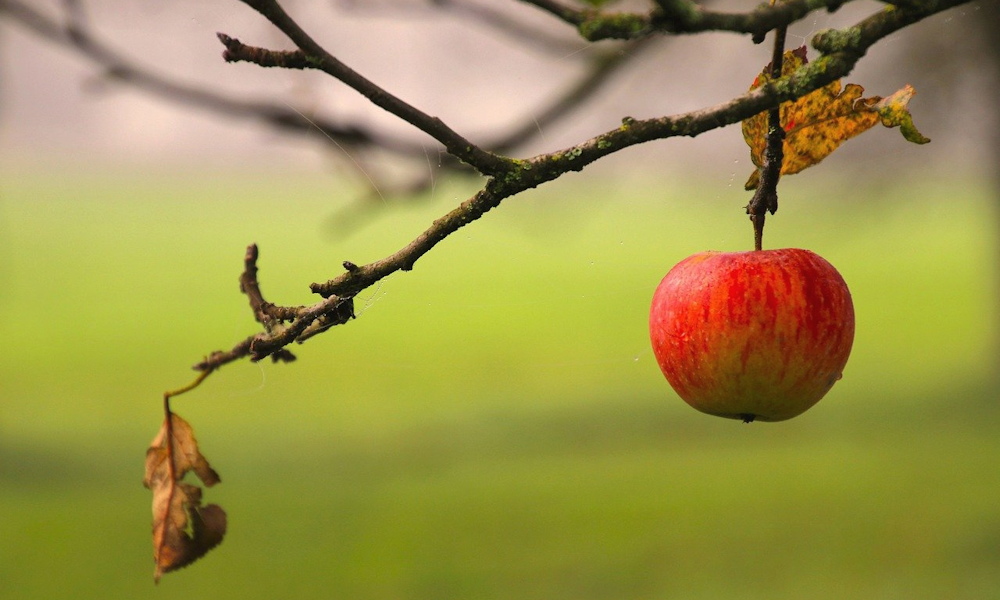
{"type": "Point", "coordinates": [681, 16]}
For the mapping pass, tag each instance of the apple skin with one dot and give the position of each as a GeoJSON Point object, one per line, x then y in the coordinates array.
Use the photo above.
{"type": "Point", "coordinates": [759, 335]}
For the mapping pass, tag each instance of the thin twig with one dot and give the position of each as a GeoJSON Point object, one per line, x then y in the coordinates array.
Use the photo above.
{"type": "Point", "coordinates": [525, 35]}
{"type": "Point", "coordinates": [483, 161]}
{"type": "Point", "coordinates": [313, 319]}
{"type": "Point", "coordinates": [602, 69]}
{"type": "Point", "coordinates": [237, 51]}
{"type": "Point", "coordinates": [183, 390]}
{"type": "Point", "coordinates": [118, 67]}
{"type": "Point", "coordinates": [267, 314]}
{"type": "Point", "coordinates": [282, 324]}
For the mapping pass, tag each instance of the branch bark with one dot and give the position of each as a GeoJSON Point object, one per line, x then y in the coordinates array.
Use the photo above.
{"type": "Point", "coordinates": [483, 161]}
{"type": "Point", "coordinates": [681, 16]}
{"type": "Point", "coordinates": [765, 198]}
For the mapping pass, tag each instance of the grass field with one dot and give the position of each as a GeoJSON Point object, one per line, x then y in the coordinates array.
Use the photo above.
{"type": "Point", "coordinates": [493, 425]}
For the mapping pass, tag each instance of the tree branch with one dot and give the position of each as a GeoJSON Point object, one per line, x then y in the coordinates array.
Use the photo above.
{"type": "Point", "coordinates": [118, 67]}
{"type": "Point", "coordinates": [765, 198]}
{"type": "Point", "coordinates": [841, 49]}
{"type": "Point", "coordinates": [267, 314]}
{"type": "Point", "coordinates": [546, 167]}
{"type": "Point", "coordinates": [71, 31]}
{"type": "Point", "coordinates": [602, 69]}
{"type": "Point", "coordinates": [572, 15]}
{"type": "Point", "coordinates": [282, 324]}
{"type": "Point", "coordinates": [485, 162]}
{"type": "Point", "coordinates": [681, 16]}
{"type": "Point", "coordinates": [237, 51]}
{"type": "Point", "coordinates": [523, 34]}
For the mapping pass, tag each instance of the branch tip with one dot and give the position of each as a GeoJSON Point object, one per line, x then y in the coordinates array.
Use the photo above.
{"type": "Point", "coordinates": [250, 258]}
{"type": "Point", "coordinates": [237, 51]}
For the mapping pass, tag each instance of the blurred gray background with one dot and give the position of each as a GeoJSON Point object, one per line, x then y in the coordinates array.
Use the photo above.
{"type": "Point", "coordinates": [483, 66]}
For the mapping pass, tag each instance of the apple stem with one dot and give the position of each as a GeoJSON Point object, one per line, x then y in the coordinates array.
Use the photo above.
{"type": "Point", "coordinates": [765, 199]}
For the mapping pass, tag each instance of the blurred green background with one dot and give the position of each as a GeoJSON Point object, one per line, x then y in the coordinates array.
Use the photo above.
{"type": "Point", "coordinates": [494, 424]}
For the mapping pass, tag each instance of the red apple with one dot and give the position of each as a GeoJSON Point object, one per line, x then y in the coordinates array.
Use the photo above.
{"type": "Point", "coordinates": [759, 335]}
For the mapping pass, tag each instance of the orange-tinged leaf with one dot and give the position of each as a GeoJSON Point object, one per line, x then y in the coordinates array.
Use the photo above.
{"type": "Point", "coordinates": [183, 529]}
{"type": "Point", "coordinates": [818, 123]}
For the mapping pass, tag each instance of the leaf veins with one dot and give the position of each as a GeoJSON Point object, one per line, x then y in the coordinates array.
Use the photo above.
{"type": "Point", "coordinates": [818, 123]}
{"type": "Point", "coordinates": [183, 529]}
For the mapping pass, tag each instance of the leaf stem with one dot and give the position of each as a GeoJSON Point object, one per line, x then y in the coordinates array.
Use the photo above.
{"type": "Point", "coordinates": [168, 424]}
{"type": "Point", "coordinates": [202, 376]}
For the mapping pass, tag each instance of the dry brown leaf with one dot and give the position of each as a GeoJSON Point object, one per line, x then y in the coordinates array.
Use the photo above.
{"type": "Point", "coordinates": [183, 529]}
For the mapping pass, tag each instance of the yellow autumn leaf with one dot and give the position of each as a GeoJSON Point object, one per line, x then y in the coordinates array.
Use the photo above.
{"type": "Point", "coordinates": [818, 123]}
